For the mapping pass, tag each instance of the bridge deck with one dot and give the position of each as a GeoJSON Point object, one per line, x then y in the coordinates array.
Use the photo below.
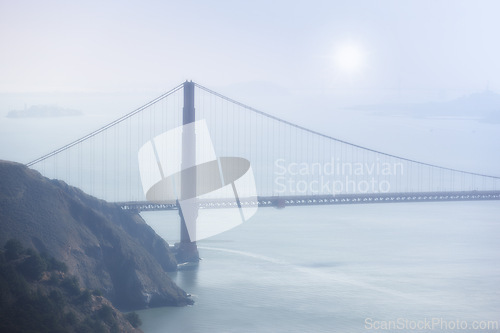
{"type": "Point", "coordinates": [281, 202]}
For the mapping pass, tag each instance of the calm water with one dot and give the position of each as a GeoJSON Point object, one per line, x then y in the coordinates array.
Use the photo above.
{"type": "Point", "coordinates": [329, 268]}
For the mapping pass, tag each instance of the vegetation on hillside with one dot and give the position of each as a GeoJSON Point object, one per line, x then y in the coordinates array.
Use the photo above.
{"type": "Point", "coordinates": [37, 295]}
{"type": "Point", "coordinates": [105, 247]}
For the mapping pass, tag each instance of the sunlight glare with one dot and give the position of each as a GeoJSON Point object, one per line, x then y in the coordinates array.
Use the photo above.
{"type": "Point", "coordinates": [349, 58]}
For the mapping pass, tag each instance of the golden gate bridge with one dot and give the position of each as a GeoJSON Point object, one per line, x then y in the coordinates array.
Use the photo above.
{"type": "Point", "coordinates": [290, 164]}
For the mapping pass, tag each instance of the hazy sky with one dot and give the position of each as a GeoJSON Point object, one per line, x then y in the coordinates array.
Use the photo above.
{"type": "Point", "coordinates": [300, 55]}
{"type": "Point", "coordinates": [152, 45]}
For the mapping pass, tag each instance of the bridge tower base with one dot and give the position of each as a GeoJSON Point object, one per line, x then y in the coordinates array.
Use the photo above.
{"type": "Point", "coordinates": [186, 252]}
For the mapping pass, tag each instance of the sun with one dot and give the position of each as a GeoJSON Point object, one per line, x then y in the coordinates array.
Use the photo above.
{"type": "Point", "coordinates": [349, 57]}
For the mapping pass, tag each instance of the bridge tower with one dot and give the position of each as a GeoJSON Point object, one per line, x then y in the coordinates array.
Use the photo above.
{"type": "Point", "coordinates": [187, 250]}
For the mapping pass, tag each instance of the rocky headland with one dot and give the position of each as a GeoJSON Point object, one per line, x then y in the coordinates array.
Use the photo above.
{"type": "Point", "coordinates": [104, 247]}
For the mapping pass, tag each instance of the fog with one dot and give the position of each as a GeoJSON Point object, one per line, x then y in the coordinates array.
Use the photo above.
{"type": "Point", "coordinates": [400, 77]}
{"type": "Point", "coordinates": [417, 82]}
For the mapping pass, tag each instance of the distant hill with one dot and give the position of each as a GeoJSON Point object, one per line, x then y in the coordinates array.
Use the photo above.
{"type": "Point", "coordinates": [483, 106]}
{"type": "Point", "coordinates": [38, 295]}
{"type": "Point", "coordinates": [43, 111]}
{"type": "Point", "coordinates": [106, 248]}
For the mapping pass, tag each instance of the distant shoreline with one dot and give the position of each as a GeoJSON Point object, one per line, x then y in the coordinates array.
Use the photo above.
{"type": "Point", "coordinates": [43, 111]}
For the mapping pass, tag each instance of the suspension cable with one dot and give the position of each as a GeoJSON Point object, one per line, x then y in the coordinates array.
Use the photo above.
{"type": "Point", "coordinates": [335, 139]}
{"type": "Point", "coordinates": [111, 124]}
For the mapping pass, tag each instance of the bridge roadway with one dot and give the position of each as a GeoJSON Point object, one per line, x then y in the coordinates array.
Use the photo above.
{"type": "Point", "coordinates": [311, 200]}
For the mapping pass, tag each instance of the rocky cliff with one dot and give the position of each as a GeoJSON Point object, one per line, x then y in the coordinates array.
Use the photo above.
{"type": "Point", "coordinates": [106, 248]}
{"type": "Point", "coordinates": [38, 295]}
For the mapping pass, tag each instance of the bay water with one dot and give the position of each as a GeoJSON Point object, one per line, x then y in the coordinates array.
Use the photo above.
{"type": "Point", "coordinates": [345, 268]}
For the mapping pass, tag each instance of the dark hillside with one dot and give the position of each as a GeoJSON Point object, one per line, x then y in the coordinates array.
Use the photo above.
{"type": "Point", "coordinates": [37, 295]}
{"type": "Point", "coordinates": [105, 247]}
